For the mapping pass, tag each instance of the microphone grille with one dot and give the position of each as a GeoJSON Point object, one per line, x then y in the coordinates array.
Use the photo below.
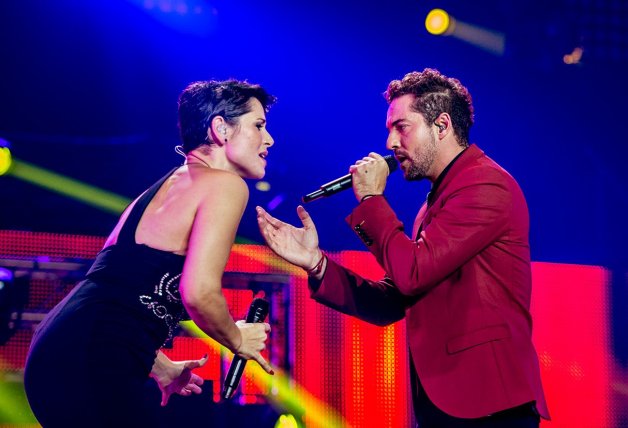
{"type": "Point", "coordinates": [392, 162]}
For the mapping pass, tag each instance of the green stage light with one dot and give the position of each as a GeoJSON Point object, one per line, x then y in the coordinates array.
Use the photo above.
{"type": "Point", "coordinates": [91, 195]}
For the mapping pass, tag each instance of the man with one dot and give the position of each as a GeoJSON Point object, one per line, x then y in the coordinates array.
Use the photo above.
{"type": "Point", "coordinates": [463, 283]}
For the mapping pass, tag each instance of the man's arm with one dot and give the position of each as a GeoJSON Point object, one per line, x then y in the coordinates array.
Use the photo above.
{"type": "Point", "coordinates": [473, 216]}
{"type": "Point", "coordinates": [376, 302]}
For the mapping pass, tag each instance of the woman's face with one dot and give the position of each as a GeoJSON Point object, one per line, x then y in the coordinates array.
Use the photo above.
{"type": "Point", "coordinates": [247, 148]}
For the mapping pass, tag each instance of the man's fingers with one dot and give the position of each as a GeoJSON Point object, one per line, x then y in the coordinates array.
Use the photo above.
{"type": "Point", "coordinates": [263, 216]}
{"type": "Point", "coordinates": [305, 218]}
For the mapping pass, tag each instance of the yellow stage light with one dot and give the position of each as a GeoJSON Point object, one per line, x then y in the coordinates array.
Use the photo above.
{"type": "Point", "coordinates": [287, 421]}
{"type": "Point", "coordinates": [262, 186]}
{"type": "Point", "coordinates": [285, 393]}
{"type": "Point", "coordinates": [5, 160]}
{"type": "Point", "coordinates": [438, 22]}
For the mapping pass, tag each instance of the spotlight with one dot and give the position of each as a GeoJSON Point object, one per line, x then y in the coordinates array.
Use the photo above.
{"type": "Point", "coordinates": [438, 22]}
{"type": "Point", "coordinates": [5, 276]}
{"type": "Point", "coordinates": [5, 156]}
{"type": "Point", "coordinates": [196, 17]}
{"type": "Point", "coordinates": [287, 421]}
{"type": "Point", "coordinates": [262, 186]}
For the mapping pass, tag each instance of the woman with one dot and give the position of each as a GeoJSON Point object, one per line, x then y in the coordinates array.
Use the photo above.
{"type": "Point", "coordinates": [164, 260]}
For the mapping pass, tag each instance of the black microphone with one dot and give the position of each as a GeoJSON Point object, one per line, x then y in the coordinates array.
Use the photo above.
{"type": "Point", "coordinates": [257, 313]}
{"type": "Point", "coordinates": [342, 183]}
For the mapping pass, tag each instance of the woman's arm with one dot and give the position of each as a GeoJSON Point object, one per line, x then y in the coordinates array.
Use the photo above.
{"type": "Point", "coordinates": [223, 197]}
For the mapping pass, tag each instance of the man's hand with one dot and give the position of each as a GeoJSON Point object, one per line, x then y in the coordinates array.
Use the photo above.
{"type": "Point", "coordinates": [369, 176]}
{"type": "Point", "coordinates": [298, 246]}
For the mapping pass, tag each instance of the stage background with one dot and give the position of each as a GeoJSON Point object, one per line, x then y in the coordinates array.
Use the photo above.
{"type": "Point", "coordinates": [333, 370]}
{"type": "Point", "coordinates": [88, 107]}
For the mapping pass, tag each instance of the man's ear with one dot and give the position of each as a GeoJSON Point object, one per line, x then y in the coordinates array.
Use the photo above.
{"type": "Point", "coordinates": [443, 123]}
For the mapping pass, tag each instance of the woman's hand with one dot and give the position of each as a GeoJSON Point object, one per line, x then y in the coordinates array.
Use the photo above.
{"type": "Point", "coordinates": [253, 337]}
{"type": "Point", "coordinates": [176, 377]}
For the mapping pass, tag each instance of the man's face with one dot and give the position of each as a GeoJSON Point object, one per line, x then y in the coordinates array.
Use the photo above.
{"type": "Point", "coordinates": [411, 139]}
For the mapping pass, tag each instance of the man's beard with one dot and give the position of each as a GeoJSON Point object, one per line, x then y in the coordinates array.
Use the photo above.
{"type": "Point", "coordinates": [421, 161]}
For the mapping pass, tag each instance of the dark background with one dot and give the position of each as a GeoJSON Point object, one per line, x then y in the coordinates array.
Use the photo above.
{"type": "Point", "coordinates": [88, 89]}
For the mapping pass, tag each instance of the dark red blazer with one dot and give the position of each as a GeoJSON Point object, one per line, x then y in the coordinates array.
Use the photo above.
{"type": "Point", "coordinates": [463, 287]}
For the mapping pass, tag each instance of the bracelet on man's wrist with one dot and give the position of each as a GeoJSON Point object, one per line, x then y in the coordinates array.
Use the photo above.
{"type": "Point", "coordinates": [317, 268]}
{"type": "Point", "coordinates": [365, 197]}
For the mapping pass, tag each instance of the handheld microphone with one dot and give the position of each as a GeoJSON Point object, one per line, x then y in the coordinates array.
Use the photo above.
{"type": "Point", "coordinates": [257, 313]}
{"type": "Point", "coordinates": [342, 183]}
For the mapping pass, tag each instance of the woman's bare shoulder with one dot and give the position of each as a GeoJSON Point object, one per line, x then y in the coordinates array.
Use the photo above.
{"type": "Point", "coordinates": [216, 183]}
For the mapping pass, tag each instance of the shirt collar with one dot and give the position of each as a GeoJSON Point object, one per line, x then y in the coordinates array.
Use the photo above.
{"type": "Point", "coordinates": [431, 194]}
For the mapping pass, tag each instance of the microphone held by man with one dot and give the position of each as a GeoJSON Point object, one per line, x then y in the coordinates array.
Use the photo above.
{"type": "Point", "coordinates": [342, 183]}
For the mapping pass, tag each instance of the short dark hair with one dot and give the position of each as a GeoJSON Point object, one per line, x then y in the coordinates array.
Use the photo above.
{"type": "Point", "coordinates": [436, 93]}
{"type": "Point", "coordinates": [201, 101]}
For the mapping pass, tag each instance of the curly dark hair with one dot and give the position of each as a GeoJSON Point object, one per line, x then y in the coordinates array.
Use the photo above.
{"type": "Point", "coordinates": [201, 101]}
{"type": "Point", "coordinates": [436, 93]}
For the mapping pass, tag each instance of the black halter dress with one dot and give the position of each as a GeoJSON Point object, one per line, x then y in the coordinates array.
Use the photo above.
{"type": "Point", "coordinates": [91, 356]}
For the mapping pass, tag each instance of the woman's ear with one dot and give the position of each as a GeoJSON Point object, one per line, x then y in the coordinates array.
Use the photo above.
{"type": "Point", "coordinates": [217, 131]}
